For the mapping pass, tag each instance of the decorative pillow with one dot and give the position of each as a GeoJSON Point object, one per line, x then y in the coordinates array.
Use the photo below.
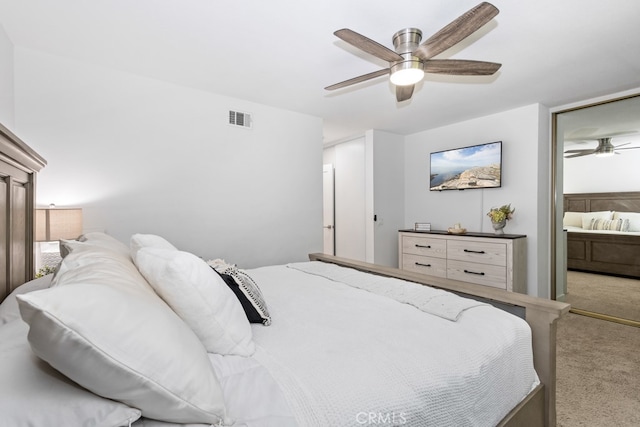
{"type": "Point", "coordinates": [245, 289]}
{"type": "Point", "coordinates": [609, 224]}
{"type": "Point", "coordinates": [572, 219]}
{"type": "Point", "coordinates": [139, 241]}
{"type": "Point", "coordinates": [198, 295]}
{"type": "Point", "coordinates": [9, 307]}
{"type": "Point", "coordinates": [46, 397]}
{"type": "Point", "coordinates": [125, 345]}
{"type": "Point", "coordinates": [633, 217]}
{"type": "Point", "coordinates": [588, 216]}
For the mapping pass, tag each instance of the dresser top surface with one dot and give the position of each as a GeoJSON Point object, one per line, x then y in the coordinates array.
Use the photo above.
{"type": "Point", "coordinates": [467, 234]}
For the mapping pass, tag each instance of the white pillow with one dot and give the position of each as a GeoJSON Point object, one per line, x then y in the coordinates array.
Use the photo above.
{"type": "Point", "coordinates": [572, 219]}
{"type": "Point", "coordinates": [35, 394]}
{"type": "Point", "coordinates": [588, 216]}
{"type": "Point", "coordinates": [633, 217]}
{"type": "Point", "coordinates": [139, 241]}
{"type": "Point", "coordinates": [125, 345]}
{"type": "Point", "coordinates": [106, 241]}
{"type": "Point", "coordinates": [97, 265]}
{"type": "Point", "coordinates": [200, 296]}
{"type": "Point", "coordinates": [9, 307]}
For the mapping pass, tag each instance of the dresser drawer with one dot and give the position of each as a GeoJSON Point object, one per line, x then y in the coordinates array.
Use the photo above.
{"type": "Point", "coordinates": [482, 252]}
{"type": "Point", "coordinates": [418, 245]}
{"type": "Point", "coordinates": [425, 265]}
{"type": "Point", "coordinates": [482, 274]}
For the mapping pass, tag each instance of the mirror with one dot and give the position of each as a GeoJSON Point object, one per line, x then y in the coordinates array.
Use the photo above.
{"type": "Point", "coordinates": [597, 208]}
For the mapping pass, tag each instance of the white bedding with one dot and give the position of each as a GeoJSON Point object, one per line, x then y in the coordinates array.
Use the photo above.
{"type": "Point", "coordinates": [574, 229]}
{"type": "Point", "coordinates": [346, 357]}
{"type": "Point", "coordinates": [344, 349]}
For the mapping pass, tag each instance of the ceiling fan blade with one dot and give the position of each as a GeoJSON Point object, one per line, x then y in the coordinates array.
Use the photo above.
{"type": "Point", "coordinates": [580, 151]}
{"type": "Point", "coordinates": [461, 67]}
{"type": "Point", "coordinates": [620, 145]}
{"type": "Point", "coordinates": [367, 45]}
{"type": "Point", "coordinates": [358, 79]}
{"type": "Point", "coordinates": [457, 30]}
{"type": "Point", "coordinates": [626, 148]}
{"type": "Point", "coordinates": [585, 153]}
{"type": "Point", "coordinates": [404, 93]}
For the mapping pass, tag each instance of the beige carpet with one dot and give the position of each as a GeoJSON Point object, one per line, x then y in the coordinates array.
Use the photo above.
{"type": "Point", "coordinates": [615, 296]}
{"type": "Point", "coordinates": [598, 370]}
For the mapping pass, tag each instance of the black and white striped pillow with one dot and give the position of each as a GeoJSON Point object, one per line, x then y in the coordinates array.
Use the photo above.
{"type": "Point", "coordinates": [245, 289]}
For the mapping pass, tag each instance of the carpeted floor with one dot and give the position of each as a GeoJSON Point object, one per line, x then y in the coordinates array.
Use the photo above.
{"type": "Point", "coordinates": [614, 296]}
{"type": "Point", "coordinates": [598, 373]}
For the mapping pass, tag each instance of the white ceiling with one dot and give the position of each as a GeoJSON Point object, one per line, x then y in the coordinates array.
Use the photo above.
{"type": "Point", "coordinates": [283, 52]}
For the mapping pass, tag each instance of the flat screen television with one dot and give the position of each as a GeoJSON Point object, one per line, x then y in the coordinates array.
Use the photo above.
{"type": "Point", "coordinates": [477, 166]}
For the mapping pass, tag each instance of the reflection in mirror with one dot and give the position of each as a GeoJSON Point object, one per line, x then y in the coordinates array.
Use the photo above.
{"type": "Point", "coordinates": [597, 152]}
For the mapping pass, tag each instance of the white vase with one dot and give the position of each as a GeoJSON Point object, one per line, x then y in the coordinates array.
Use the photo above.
{"type": "Point", "coordinates": [498, 226]}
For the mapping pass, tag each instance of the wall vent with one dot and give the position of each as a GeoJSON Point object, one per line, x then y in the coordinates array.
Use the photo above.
{"type": "Point", "coordinates": [237, 118]}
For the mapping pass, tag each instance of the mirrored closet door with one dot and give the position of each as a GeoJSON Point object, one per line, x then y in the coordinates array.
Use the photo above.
{"type": "Point", "coordinates": [597, 208]}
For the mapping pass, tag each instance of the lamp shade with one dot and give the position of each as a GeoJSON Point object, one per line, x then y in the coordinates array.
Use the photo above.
{"type": "Point", "coordinates": [58, 223]}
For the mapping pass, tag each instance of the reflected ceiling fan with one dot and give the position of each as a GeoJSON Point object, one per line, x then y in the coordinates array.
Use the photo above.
{"type": "Point", "coordinates": [411, 59]}
{"type": "Point", "coordinates": [604, 149]}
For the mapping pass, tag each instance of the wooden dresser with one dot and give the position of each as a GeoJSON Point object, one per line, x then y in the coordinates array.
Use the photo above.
{"type": "Point", "coordinates": [487, 259]}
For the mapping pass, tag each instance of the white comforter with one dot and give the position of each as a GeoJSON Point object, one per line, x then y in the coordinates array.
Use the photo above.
{"type": "Point", "coordinates": [350, 349]}
{"type": "Point", "coordinates": [344, 356]}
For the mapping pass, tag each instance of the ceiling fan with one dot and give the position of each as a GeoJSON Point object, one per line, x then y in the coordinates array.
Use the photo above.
{"type": "Point", "coordinates": [604, 149]}
{"type": "Point", "coordinates": [411, 59]}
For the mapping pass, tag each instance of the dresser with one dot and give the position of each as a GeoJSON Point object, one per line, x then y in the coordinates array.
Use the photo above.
{"type": "Point", "coordinates": [487, 259]}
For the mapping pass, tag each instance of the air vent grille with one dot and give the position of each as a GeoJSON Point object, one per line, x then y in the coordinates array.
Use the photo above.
{"type": "Point", "coordinates": [240, 119]}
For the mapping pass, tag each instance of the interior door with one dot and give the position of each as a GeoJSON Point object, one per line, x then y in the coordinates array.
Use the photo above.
{"type": "Point", "coordinates": [328, 209]}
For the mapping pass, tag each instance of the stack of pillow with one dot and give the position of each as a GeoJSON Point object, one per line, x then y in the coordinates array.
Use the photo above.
{"type": "Point", "coordinates": [133, 325]}
{"type": "Point", "coordinates": [603, 220]}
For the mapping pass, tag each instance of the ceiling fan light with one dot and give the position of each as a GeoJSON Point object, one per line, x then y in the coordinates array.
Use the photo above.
{"type": "Point", "coordinates": [604, 154]}
{"type": "Point", "coordinates": [407, 73]}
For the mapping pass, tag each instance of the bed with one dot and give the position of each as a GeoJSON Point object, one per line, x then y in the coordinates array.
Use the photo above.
{"type": "Point", "coordinates": [143, 334]}
{"type": "Point", "coordinates": [603, 232]}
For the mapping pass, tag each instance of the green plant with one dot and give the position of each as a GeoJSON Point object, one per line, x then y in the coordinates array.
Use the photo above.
{"type": "Point", "coordinates": [502, 213]}
{"type": "Point", "coordinates": [47, 269]}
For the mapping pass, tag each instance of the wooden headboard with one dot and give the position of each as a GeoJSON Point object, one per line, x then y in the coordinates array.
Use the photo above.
{"type": "Point", "coordinates": [625, 201]}
{"type": "Point", "coordinates": [19, 165]}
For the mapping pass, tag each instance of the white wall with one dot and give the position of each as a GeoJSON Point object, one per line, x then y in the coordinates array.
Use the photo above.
{"type": "Point", "coordinates": [525, 137]}
{"type": "Point", "coordinates": [591, 174]}
{"type": "Point", "coordinates": [141, 155]}
{"type": "Point", "coordinates": [6, 80]}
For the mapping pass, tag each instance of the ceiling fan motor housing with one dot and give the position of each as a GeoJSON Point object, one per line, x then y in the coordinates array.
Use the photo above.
{"type": "Point", "coordinates": [405, 42]}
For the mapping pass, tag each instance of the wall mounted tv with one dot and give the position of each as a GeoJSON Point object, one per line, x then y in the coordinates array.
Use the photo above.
{"type": "Point", "coordinates": [477, 166]}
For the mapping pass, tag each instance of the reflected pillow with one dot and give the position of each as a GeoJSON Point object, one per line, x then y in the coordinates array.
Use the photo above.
{"type": "Point", "coordinates": [632, 217]}
{"type": "Point", "coordinates": [588, 216]}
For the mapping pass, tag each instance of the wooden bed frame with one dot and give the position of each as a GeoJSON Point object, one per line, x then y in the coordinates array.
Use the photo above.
{"type": "Point", "coordinates": [19, 165]}
{"type": "Point", "coordinates": [615, 254]}
{"type": "Point", "coordinates": [539, 407]}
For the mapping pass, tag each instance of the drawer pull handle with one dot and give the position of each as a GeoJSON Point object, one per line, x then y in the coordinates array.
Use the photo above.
{"type": "Point", "coordinates": [423, 246]}
{"type": "Point", "coordinates": [474, 252]}
{"type": "Point", "coordinates": [423, 265]}
{"type": "Point", "coordinates": [474, 272]}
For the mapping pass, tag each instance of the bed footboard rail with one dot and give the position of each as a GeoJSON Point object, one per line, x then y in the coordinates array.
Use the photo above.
{"type": "Point", "coordinates": [541, 315]}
